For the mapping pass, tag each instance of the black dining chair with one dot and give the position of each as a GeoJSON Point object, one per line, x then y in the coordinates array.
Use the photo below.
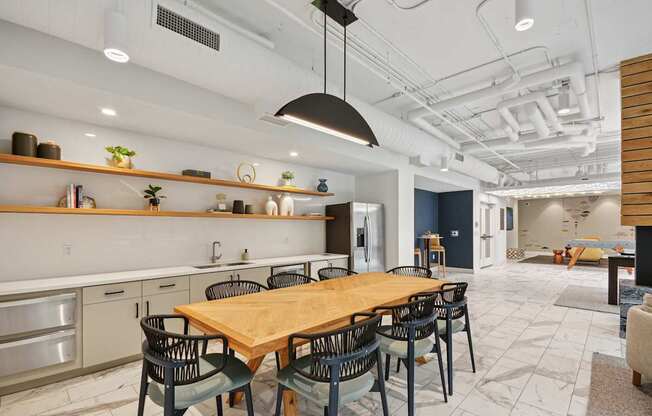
{"type": "Point", "coordinates": [328, 273]}
{"type": "Point", "coordinates": [451, 307]}
{"type": "Point", "coordinates": [414, 271]}
{"type": "Point", "coordinates": [409, 337]}
{"type": "Point", "coordinates": [182, 374]}
{"type": "Point", "coordinates": [232, 288]}
{"type": "Point", "coordinates": [338, 368]}
{"type": "Point", "coordinates": [281, 280]}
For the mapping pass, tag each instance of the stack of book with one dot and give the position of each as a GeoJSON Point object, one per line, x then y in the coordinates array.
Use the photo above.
{"type": "Point", "coordinates": [74, 196]}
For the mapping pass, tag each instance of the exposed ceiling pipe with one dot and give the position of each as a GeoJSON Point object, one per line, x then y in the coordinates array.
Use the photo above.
{"type": "Point", "coordinates": [533, 140]}
{"type": "Point", "coordinates": [594, 54]}
{"type": "Point", "coordinates": [534, 114]}
{"type": "Point", "coordinates": [537, 119]}
{"type": "Point", "coordinates": [495, 40]}
{"type": "Point", "coordinates": [571, 70]}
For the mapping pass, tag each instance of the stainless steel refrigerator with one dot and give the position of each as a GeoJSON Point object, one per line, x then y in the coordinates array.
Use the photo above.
{"type": "Point", "coordinates": [358, 231]}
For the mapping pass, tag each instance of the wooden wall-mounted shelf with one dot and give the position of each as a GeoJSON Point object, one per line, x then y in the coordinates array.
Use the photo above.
{"type": "Point", "coordinates": [25, 209]}
{"type": "Point", "coordinates": [83, 167]}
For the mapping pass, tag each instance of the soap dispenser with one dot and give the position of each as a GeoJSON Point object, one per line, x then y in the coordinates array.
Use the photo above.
{"type": "Point", "coordinates": [245, 255]}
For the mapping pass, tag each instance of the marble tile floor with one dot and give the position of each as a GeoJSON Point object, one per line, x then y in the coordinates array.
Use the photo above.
{"type": "Point", "coordinates": [533, 358]}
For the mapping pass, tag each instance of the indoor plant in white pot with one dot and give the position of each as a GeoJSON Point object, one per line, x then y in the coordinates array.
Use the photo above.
{"type": "Point", "coordinates": [120, 156]}
{"type": "Point", "coordinates": [287, 177]}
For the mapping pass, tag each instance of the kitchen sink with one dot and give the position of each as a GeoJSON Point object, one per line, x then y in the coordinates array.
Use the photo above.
{"type": "Point", "coordinates": [218, 265]}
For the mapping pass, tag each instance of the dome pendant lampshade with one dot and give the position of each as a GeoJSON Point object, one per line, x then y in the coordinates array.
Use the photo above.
{"type": "Point", "coordinates": [115, 36]}
{"type": "Point", "coordinates": [524, 15]}
{"type": "Point", "coordinates": [325, 112]}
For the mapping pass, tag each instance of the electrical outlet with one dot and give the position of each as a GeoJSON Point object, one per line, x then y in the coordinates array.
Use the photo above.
{"type": "Point", "coordinates": [67, 249]}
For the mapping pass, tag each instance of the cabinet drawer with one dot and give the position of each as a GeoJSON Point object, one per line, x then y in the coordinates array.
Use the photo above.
{"type": "Point", "coordinates": [34, 314]}
{"type": "Point", "coordinates": [170, 284]}
{"type": "Point", "coordinates": [37, 352]}
{"type": "Point", "coordinates": [105, 293]}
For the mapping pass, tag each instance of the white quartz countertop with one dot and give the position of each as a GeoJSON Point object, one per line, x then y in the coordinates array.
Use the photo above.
{"type": "Point", "coordinates": [70, 282]}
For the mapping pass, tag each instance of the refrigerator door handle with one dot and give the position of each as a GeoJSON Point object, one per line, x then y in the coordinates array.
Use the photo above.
{"type": "Point", "coordinates": [369, 239]}
{"type": "Point", "coordinates": [366, 239]}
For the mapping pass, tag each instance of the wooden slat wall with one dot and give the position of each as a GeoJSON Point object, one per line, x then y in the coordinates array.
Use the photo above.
{"type": "Point", "coordinates": [636, 92]}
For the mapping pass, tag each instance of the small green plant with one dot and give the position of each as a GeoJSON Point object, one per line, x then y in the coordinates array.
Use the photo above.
{"type": "Point", "coordinates": [151, 194]}
{"type": "Point", "coordinates": [118, 153]}
{"type": "Point", "coordinates": [287, 175]}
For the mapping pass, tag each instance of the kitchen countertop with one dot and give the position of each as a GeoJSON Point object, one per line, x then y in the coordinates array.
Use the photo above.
{"type": "Point", "coordinates": [71, 282]}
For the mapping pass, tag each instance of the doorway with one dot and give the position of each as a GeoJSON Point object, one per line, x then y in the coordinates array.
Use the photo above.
{"type": "Point", "coordinates": [487, 242]}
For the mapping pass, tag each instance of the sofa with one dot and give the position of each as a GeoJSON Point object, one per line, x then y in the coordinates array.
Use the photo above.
{"type": "Point", "coordinates": [639, 340]}
{"type": "Point", "coordinates": [589, 253]}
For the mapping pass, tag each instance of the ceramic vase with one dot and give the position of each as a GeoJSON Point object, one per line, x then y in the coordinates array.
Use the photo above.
{"type": "Point", "coordinates": [271, 207]}
{"type": "Point", "coordinates": [322, 187]}
{"type": "Point", "coordinates": [286, 207]}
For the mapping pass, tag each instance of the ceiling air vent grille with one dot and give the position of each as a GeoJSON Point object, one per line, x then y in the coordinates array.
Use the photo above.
{"type": "Point", "coordinates": [459, 157]}
{"type": "Point", "coordinates": [187, 28]}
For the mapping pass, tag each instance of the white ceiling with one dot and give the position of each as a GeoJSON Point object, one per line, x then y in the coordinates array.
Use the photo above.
{"type": "Point", "coordinates": [436, 40]}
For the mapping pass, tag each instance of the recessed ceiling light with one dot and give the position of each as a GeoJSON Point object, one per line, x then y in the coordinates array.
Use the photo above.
{"type": "Point", "coordinates": [109, 112]}
{"type": "Point", "coordinates": [90, 134]}
{"type": "Point", "coordinates": [294, 154]}
{"type": "Point", "coordinates": [443, 166]}
{"type": "Point", "coordinates": [115, 36]}
{"type": "Point", "coordinates": [524, 16]}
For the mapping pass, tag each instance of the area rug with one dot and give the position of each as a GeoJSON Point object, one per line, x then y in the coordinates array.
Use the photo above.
{"type": "Point", "coordinates": [589, 298]}
{"type": "Point", "coordinates": [612, 393]}
{"type": "Point", "coordinates": [543, 259]}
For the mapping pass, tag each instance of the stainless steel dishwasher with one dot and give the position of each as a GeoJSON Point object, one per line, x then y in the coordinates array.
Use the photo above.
{"type": "Point", "coordinates": [37, 332]}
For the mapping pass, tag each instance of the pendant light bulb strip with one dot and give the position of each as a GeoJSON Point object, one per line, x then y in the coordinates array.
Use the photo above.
{"type": "Point", "coordinates": [345, 57]}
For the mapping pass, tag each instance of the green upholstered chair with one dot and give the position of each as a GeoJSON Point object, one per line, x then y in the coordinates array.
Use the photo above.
{"type": "Point", "coordinates": [182, 374]}
{"type": "Point", "coordinates": [337, 370]}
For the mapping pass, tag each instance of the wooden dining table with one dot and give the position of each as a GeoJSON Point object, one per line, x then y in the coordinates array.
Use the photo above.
{"type": "Point", "coordinates": [261, 323]}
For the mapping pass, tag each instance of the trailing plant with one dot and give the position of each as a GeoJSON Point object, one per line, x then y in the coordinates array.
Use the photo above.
{"type": "Point", "coordinates": [287, 175]}
{"type": "Point", "coordinates": [118, 153]}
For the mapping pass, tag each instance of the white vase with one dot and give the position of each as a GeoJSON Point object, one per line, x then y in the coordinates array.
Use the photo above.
{"type": "Point", "coordinates": [286, 207]}
{"type": "Point", "coordinates": [271, 208]}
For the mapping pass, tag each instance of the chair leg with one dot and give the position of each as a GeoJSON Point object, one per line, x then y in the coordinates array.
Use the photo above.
{"type": "Point", "coordinates": [440, 361]}
{"type": "Point", "coordinates": [636, 378]}
{"type": "Point", "coordinates": [218, 404]}
{"type": "Point", "coordinates": [325, 410]}
{"type": "Point", "coordinates": [278, 361]}
{"type": "Point", "coordinates": [467, 326]}
{"type": "Point", "coordinates": [168, 408]}
{"type": "Point", "coordinates": [381, 383]}
{"type": "Point", "coordinates": [231, 394]}
{"type": "Point", "coordinates": [388, 360]}
{"type": "Point", "coordinates": [449, 354]}
{"type": "Point", "coordinates": [279, 400]}
{"type": "Point", "coordinates": [410, 378]}
{"type": "Point", "coordinates": [398, 365]}
{"type": "Point", "coordinates": [143, 390]}
{"type": "Point", "coordinates": [334, 392]}
{"type": "Point", "coordinates": [249, 399]}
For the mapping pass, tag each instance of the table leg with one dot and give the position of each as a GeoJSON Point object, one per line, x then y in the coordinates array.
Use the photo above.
{"type": "Point", "coordinates": [426, 262]}
{"type": "Point", "coordinates": [253, 365]}
{"type": "Point", "coordinates": [289, 397]}
{"type": "Point", "coordinates": [613, 283]}
{"type": "Point", "coordinates": [575, 257]}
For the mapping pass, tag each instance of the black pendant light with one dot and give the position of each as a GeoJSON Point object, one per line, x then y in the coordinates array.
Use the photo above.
{"type": "Point", "coordinates": [325, 112]}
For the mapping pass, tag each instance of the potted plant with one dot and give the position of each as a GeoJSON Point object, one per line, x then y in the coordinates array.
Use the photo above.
{"type": "Point", "coordinates": [154, 199]}
{"type": "Point", "coordinates": [287, 177]}
{"type": "Point", "coordinates": [120, 156]}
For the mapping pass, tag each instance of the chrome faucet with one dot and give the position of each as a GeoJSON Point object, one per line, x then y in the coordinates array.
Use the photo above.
{"type": "Point", "coordinates": [216, 257]}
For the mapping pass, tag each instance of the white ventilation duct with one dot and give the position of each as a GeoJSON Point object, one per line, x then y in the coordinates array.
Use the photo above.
{"type": "Point", "coordinates": [533, 112]}
{"type": "Point", "coordinates": [531, 141]}
{"type": "Point", "coordinates": [537, 120]}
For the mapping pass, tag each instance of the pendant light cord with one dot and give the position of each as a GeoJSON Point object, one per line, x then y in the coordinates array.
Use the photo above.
{"type": "Point", "coordinates": [325, 15]}
{"type": "Point", "coordinates": [345, 56]}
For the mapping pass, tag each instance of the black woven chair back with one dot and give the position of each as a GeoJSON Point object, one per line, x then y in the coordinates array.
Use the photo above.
{"type": "Point", "coordinates": [182, 352]}
{"type": "Point", "coordinates": [282, 280]}
{"type": "Point", "coordinates": [233, 288]}
{"type": "Point", "coordinates": [414, 271]}
{"type": "Point", "coordinates": [419, 313]}
{"type": "Point", "coordinates": [452, 294]}
{"type": "Point", "coordinates": [341, 343]}
{"type": "Point", "coordinates": [334, 272]}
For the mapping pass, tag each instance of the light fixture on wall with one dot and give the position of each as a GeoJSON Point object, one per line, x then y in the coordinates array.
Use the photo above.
{"type": "Point", "coordinates": [325, 112]}
{"type": "Point", "coordinates": [115, 35]}
{"type": "Point", "coordinates": [443, 166]}
{"type": "Point", "coordinates": [294, 154]}
{"type": "Point", "coordinates": [564, 99]}
{"type": "Point", "coordinates": [109, 112]}
{"type": "Point", "coordinates": [524, 15]}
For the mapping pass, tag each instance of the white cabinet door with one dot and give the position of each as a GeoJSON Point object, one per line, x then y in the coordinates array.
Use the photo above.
{"type": "Point", "coordinates": [111, 330]}
{"type": "Point", "coordinates": [343, 263]}
{"type": "Point", "coordinates": [163, 304]}
{"type": "Point", "coordinates": [258, 275]}
{"type": "Point", "coordinates": [315, 267]}
{"type": "Point", "coordinates": [199, 283]}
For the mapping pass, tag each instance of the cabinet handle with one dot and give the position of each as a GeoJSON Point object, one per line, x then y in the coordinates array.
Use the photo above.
{"type": "Point", "coordinates": [116, 292]}
{"type": "Point", "coordinates": [238, 274]}
{"type": "Point", "coordinates": [137, 310]}
{"type": "Point", "coordinates": [231, 277]}
{"type": "Point", "coordinates": [147, 308]}
{"type": "Point", "coordinates": [167, 286]}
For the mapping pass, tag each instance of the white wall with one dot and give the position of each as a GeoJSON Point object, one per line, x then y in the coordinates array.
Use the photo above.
{"type": "Point", "coordinates": [549, 223]}
{"type": "Point", "coordinates": [512, 235]}
{"type": "Point", "coordinates": [32, 246]}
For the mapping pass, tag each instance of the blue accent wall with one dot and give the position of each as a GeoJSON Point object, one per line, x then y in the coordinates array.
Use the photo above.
{"type": "Point", "coordinates": [455, 212]}
{"type": "Point", "coordinates": [425, 213]}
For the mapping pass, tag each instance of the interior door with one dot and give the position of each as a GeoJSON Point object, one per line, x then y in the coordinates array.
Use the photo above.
{"type": "Point", "coordinates": [359, 230]}
{"type": "Point", "coordinates": [486, 235]}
